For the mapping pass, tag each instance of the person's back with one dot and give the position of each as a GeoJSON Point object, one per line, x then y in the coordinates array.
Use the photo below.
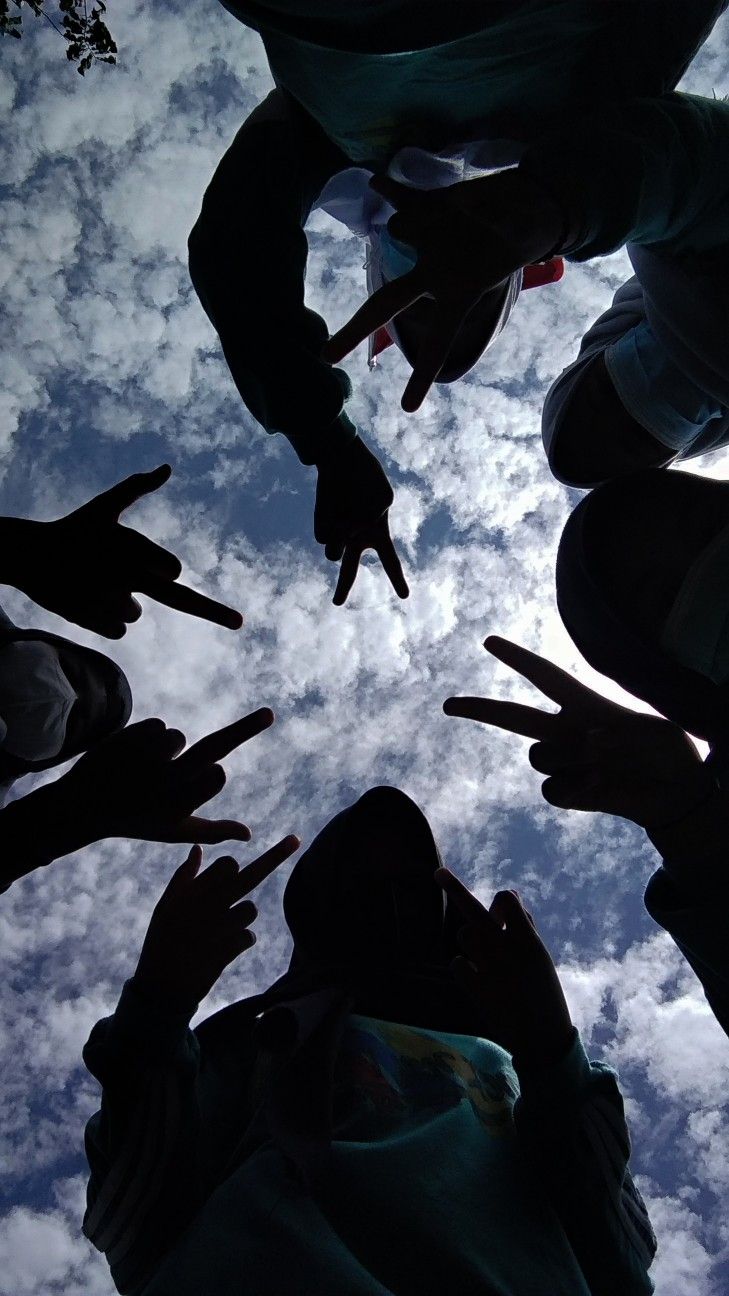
{"type": "Point", "coordinates": [379, 77]}
{"type": "Point", "coordinates": [356, 83]}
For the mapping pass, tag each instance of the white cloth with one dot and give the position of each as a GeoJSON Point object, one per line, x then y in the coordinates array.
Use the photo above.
{"type": "Point", "coordinates": [347, 197]}
{"type": "Point", "coordinates": [36, 699]}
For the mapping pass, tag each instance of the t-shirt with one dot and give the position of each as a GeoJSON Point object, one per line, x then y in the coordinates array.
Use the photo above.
{"type": "Point", "coordinates": [509, 74]}
{"type": "Point", "coordinates": [427, 1190]}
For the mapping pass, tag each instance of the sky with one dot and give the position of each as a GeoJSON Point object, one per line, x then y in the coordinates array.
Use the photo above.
{"type": "Point", "coordinates": [109, 366]}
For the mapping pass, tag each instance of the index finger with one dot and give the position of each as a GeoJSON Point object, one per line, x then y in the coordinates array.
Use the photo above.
{"type": "Point", "coordinates": [213, 747]}
{"type": "Point", "coordinates": [434, 352]}
{"type": "Point", "coordinates": [391, 565]}
{"type": "Point", "coordinates": [528, 721]}
{"type": "Point", "coordinates": [387, 302]}
{"type": "Point", "coordinates": [347, 573]}
{"type": "Point", "coordinates": [181, 597]}
{"type": "Point", "coordinates": [552, 681]}
{"type": "Point", "coordinates": [259, 869]}
{"type": "Point", "coordinates": [125, 493]}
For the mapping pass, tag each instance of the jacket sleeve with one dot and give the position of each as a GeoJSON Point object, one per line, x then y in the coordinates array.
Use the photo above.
{"type": "Point", "coordinates": [571, 1125]}
{"type": "Point", "coordinates": [649, 171]}
{"type": "Point", "coordinates": [248, 254]}
{"type": "Point", "coordinates": [142, 1146]}
{"type": "Point", "coordinates": [689, 896]}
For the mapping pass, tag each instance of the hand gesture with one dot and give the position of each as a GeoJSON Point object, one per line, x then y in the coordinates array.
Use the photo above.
{"type": "Point", "coordinates": [85, 566]}
{"type": "Point", "coordinates": [353, 497]}
{"type": "Point", "coordinates": [508, 972]}
{"type": "Point", "coordinates": [201, 922]}
{"type": "Point", "coordinates": [597, 755]}
{"type": "Point", "coordinates": [469, 237]}
{"type": "Point", "coordinates": [136, 784]}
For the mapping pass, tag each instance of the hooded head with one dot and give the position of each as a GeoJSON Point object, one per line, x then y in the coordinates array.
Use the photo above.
{"type": "Point", "coordinates": [364, 892]}
{"type": "Point", "coordinates": [643, 589]}
{"type": "Point", "coordinates": [57, 699]}
{"type": "Point", "coordinates": [367, 917]}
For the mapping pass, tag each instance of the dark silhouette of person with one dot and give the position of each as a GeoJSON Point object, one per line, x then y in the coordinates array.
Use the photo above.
{"type": "Point", "coordinates": [600, 756]}
{"type": "Point", "coordinates": [59, 699]}
{"type": "Point", "coordinates": [408, 1109]}
{"type": "Point", "coordinates": [642, 590]}
{"type": "Point", "coordinates": [432, 95]}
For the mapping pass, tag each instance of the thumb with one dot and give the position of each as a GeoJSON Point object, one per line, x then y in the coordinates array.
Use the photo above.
{"type": "Point", "coordinates": [114, 501]}
{"type": "Point", "coordinates": [509, 912]}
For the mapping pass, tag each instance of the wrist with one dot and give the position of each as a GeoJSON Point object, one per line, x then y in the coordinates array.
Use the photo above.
{"type": "Point", "coordinates": [700, 836]}
{"type": "Point", "coordinates": [543, 1050]}
{"type": "Point", "coordinates": [337, 442]}
{"type": "Point", "coordinates": [164, 994]}
{"type": "Point", "coordinates": [20, 541]}
{"type": "Point", "coordinates": [34, 831]}
{"type": "Point", "coordinates": [61, 823]}
{"type": "Point", "coordinates": [529, 215]}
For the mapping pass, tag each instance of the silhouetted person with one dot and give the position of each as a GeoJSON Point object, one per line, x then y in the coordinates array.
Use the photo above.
{"type": "Point", "coordinates": [131, 782]}
{"type": "Point", "coordinates": [642, 589]}
{"type": "Point", "coordinates": [650, 385]}
{"type": "Point", "coordinates": [385, 1118]}
{"type": "Point", "coordinates": [59, 699]}
{"type": "Point", "coordinates": [431, 93]}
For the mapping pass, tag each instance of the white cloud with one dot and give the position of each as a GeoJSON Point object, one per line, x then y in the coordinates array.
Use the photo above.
{"type": "Point", "coordinates": [108, 361]}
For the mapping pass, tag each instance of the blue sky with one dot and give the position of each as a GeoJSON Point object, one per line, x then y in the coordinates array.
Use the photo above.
{"type": "Point", "coordinates": [109, 365]}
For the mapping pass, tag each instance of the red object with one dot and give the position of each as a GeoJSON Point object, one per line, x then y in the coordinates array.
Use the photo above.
{"type": "Point", "coordinates": [544, 272]}
{"type": "Point", "coordinates": [381, 340]}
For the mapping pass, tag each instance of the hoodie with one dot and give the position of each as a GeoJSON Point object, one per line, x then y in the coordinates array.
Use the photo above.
{"type": "Point", "coordinates": [313, 1140]}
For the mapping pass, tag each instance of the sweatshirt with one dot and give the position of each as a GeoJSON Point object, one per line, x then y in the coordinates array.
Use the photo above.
{"type": "Point", "coordinates": [370, 1158]}
{"type": "Point", "coordinates": [248, 248]}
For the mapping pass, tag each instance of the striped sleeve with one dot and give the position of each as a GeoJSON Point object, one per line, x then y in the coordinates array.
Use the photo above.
{"type": "Point", "coordinates": [571, 1124]}
{"type": "Point", "coordinates": [142, 1145]}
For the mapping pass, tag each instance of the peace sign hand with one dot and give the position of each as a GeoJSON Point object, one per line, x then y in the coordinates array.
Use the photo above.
{"type": "Point", "coordinates": [85, 566]}
{"type": "Point", "coordinates": [353, 498]}
{"type": "Point", "coordinates": [507, 970]}
{"type": "Point", "coordinates": [377, 537]}
{"type": "Point", "coordinates": [597, 755]}
{"type": "Point", "coordinates": [201, 922]}
{"type": "Point", "coordinates": [469, 237]}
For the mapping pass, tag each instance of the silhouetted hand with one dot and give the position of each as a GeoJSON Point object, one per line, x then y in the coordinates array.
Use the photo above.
{"type": "Point", "coordinates": [136, 784]}
{"type": "Point", "coordinates": [598, 755]}
{"type": "Point", "coordinates": [469, 238]}
{"type": "Point", "coordinates": [353, 497]}
{"type": "Point", "coordinates": [201, 922]}
{"type": "Point", "coordinates": [508, 972]}
{"type": "Point", "coordinates": [85, 566]}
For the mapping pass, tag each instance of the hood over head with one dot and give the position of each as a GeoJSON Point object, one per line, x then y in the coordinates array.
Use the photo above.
{"type": "Point", "coordinates": [103, 699]}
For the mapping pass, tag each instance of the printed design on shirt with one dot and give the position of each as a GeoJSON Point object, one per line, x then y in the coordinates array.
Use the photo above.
{"type": "Point", "coordinates": [393, 1077]}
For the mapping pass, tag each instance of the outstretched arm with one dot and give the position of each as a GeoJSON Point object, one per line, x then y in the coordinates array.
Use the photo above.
{"type": "Point", "coordinates": [146, 1144]}
{"type": "Point", "coordinates": [133, 784]}
{"type": "Point", "coordinates": [599, 756]}
{"type": "Point", "coordinates": [650, 171]}
{"type": "Point", "coordinates": [248, 254]}
{"type": "Point", "coordinates": [569, 1116]}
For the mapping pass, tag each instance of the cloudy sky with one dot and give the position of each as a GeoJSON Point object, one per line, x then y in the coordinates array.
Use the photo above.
{"type": "Point", "coordinates": [109, 365]}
